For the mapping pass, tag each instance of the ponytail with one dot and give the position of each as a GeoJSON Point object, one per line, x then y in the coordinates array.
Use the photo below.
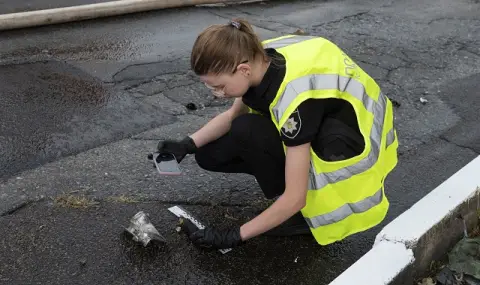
{"type": "Point", "coordinates": [244, 26]}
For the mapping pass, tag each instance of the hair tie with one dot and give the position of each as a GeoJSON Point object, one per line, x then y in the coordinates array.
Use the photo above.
{"type": "Point", "coordinates": [236, 24]}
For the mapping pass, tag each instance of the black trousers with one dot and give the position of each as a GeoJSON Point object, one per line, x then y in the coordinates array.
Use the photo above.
{"type": "Point", "coordinates": [253, 146]}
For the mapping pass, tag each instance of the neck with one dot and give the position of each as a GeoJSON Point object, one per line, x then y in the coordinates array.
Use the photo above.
{"type": "Point", "coordinates": [260, 69]}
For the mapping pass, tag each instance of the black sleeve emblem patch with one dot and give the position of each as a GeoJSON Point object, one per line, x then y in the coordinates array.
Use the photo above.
{"type": "Point", "coordinates": [292, 126]}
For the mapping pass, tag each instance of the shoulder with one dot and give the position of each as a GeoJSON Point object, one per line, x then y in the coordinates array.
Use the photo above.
{"type": "Point", "coordinates": [303, 123]}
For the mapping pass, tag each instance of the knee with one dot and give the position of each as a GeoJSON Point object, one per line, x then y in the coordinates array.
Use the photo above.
{"type": "Point", "coordinates": [204, 159]}
{"type": "Point", "coordinates": [243, 125]}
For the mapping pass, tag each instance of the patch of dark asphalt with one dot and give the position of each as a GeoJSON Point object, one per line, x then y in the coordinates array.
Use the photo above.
{"type": "Point", "coordinates": [102, 50]}
{"type": "Point", "coordinates": [463, 96]}
{"type": "Point", "coordinates": [46, 243]}
{"type": "Point", "coordinates": [149, 70]}
{"type": "Point", "coordinates": [51, 109]}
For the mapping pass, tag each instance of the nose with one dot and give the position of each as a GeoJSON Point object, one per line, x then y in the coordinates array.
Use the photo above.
{"type": "Point", "coordinates": [219, 94]}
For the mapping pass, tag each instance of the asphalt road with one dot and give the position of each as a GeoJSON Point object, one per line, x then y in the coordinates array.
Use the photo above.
{"type": "Point", "coordinates": [85, 102]}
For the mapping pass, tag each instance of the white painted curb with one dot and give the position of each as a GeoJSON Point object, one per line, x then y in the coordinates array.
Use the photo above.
{"type": "Point", "coordinates": [394, 247]}
{"type": "Point", "coordinates": [378, 266]}
{"type": "Point", "coordinates": [414, 223]}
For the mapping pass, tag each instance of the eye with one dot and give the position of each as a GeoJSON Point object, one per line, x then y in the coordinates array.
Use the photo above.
{"type": "Point", "coordinates": [209, 87]}
{"type": "Point", "coordinates": [218, 87]}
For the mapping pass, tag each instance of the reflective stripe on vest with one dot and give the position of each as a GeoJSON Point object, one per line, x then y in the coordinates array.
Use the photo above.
{"type": "Point", "coordinates": [344, 84]}
{"type": "Point", "coordinates": [287, 41]}
{"type": "Point", "coordinates": [390, 137]}
{"type": "Point", "coordinates": [345, 211]}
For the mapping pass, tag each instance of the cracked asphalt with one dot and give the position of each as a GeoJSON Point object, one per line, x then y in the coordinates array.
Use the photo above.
{"type": "Point", "coordinates": [83, 104]}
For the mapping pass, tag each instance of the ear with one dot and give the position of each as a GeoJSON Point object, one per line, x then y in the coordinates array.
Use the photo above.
{"type": "Point", "coordinates": [244, 69]}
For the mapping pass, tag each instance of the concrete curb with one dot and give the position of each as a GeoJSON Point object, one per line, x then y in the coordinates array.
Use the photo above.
{"type": "Point", "coordinates": [98, 10]}
{"type": "Point", "coordinates": [404, 249]}
{"type": "Point", "coordinates": [380, 265]}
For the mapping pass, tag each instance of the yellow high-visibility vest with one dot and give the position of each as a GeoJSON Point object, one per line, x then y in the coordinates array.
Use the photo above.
{"type": "Point", "coordinates": [344, 197]}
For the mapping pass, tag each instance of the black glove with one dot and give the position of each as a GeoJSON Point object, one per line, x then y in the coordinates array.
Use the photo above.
{"type": "Point", "coordinates": [211, 237]}
{"type": "Point", "coordinates": [179, 148]}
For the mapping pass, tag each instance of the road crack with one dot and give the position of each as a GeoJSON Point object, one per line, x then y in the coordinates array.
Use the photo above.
{"type": "Point", "coordinates": [342, 19]}
{"type": "Point", "coordinates": [464, 47]}
{"type": "Point", "coordinates": [265, 20]}
{"type": "Point", "coordinates": [372, 63]}
{"type": "Point", "coordinates": [145, 139]}
{"type": "Point", "coordinates": [19, 206]}
{"type": "Point", "coordinates": [441, 137]}
{"type": "Point", "coordinates": [389, 74]}
{"type": "Point", "coordinates": [246, 12]}
{"type": "Point", "coordinates": [186, 203]}
{"type": "Point", "coordinates": [254, 22]}
{"type": "Point", "coordinates": [450, 18]}
{"type": "Point", "coordinates": [204, 204]}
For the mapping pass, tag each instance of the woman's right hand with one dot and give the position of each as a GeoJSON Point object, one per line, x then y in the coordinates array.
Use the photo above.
{"type": "Point", "coordinates": [179, 148]}
{"type": "Point", "coordinates": [213, 130]}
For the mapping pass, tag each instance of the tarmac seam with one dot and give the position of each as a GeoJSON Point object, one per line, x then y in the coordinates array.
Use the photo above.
{"type": "Point", "coordinates": [458, 145]}
{"type": "Point", "coordinates": [26, 203]}
{"type": "Point", "coordinates": [150, 79]}
{"type": "Point", "coordinates": [254, 24]}
{"type": "Point", "coordinates": [177, 202]}
{"type": "Point", "coordinates": [451, 18]}
{"type": "Point", "coordinates": [342, 19]}
{"type": "Point", "coordinates": [467, 49]}
{"type": "Point", "coordinates": [144, 139]}
{"type": "Point", "coordinates": [186, 203]}
{"type": "Point", "coordinates": [264, 20]}
{"type": "Point", "coordinates": [19, 206]}
{"type": "Point", "coordinates": [145, 63]}
{"type": "Point", "coordinates": [383, 67]}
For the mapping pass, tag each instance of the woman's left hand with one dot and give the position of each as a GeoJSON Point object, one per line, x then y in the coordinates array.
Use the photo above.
{"type": "Point", "coordinates": [212, 237]}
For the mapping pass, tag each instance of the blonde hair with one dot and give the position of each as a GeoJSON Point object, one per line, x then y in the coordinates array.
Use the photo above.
{"type": "Point", "coordinates": [221, 48]}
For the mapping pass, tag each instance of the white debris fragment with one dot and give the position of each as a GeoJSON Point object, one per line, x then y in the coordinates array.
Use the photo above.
{"type": "Point", "coordinates": [427, 281]}
{"type": "Point", "coordinates": [296, 259]}
{"type": "Point", "coordinates": [423, 100]}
